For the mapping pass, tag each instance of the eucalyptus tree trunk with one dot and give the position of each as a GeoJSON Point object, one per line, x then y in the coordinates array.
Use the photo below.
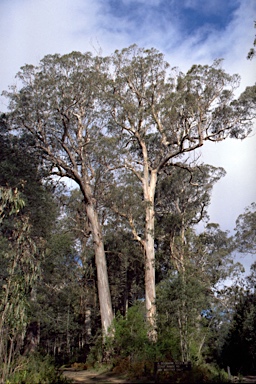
{"type": "Point", "coordinates": [149, 249]}
{"type": "Point", "coordinates": [102, 274]}
{"type": "Point", "coordinates": [177, 254]}
{"type": "Point", "coordinates": [183, 330]}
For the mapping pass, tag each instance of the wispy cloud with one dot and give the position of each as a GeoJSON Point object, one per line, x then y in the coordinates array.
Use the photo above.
{"type": "Point", "coordinates": [32, 28]}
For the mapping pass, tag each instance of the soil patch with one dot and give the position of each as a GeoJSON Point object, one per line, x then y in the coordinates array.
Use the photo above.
{"type": "Point", "coordinates": [89, 376]}
{"type": "Point", "coordinates": [249, 379]}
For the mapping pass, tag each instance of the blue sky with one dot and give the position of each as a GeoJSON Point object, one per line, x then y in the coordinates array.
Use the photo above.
{"type": "Point", "coordinates": [187, 16]}
{"type": "Point", "coordinates": [187, 31]}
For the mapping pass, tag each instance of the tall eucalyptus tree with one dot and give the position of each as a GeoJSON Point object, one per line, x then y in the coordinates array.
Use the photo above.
{"type": "Point", "coordinates": [59, 105]}
{"type": "Point", "coordinates": [160, 118]}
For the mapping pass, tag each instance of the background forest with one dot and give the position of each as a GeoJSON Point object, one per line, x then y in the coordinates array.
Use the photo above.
{"type": "Point", "coordinates": [110, 266]}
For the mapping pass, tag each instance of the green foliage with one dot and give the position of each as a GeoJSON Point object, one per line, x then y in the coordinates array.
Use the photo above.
{"type": "Point", "coordinates": [36, 370]}
{"type": "Point", "coordinates": [203, 373]}
{"type": "Point", "coordinates": [246, 230]}
{"type": "Point", "coordinates": [128, 349]}
{"type": "Point", "coordinates": [59, 316]}
{"type": "Point", "coordinates": [206, 373]}
{"type": "Point", "coordinates": [184, 194]}
{"type": "Point", "coordinates": [189, 299]}
{"type": "Point", "coordinates": [26, 212]}
{"type": "Point", "coordinates": [10, 202]}
{"type": "Point", "coordinates": [21, 171]}
{"type": "Point", "coordinates": [239, 349]}
{"type": "Point", "coordinates": [21, 270]}
{"type": "Point", "coordinates": [130, 333]}
{"type": "Point", "coordinates": [181, 300]}
{"type": "Point", "coordinates": [96, 354]}
{"type": "Point", "coordinates": [125, 266]}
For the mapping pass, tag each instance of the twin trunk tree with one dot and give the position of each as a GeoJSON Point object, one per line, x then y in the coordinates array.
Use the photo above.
{"type": "Point", "coordinates": [74, 104]}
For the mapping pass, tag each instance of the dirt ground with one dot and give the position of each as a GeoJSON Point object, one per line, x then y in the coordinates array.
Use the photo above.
{"type": "Point", "coordinates": [84, 377]}
{"type": "Point", "coordinates": [89, 376]}
{"type": "Point", "coordinates": [249, 379]}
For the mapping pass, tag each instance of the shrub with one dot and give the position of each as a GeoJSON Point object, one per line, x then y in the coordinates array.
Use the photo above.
{"type": "Point", "coordinates": [36, 369]}
{"type": "Point", "coordinates": [129, 348]}
{"type": "Point", "coordinates": [206, 373]}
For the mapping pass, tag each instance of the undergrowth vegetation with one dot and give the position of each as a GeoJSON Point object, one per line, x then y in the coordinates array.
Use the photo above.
{"type": "Point", "coordinates": [36, 369]}
{"type": "Point", "coordinates": [128, 351]}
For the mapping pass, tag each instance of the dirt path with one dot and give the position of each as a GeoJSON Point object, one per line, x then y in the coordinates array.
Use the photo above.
{"type": "Point", "coordinates": [249, 379]}
{"type": "Point", "coordinates": [84, 377]}
{"type": "Point", "coordinates": [94, 377]}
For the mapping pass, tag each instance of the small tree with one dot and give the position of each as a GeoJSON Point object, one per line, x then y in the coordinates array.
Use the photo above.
{"type": "Point", "coordinates": [239, 347]}
{"type": "Point", "coordinates": [20, 264]}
